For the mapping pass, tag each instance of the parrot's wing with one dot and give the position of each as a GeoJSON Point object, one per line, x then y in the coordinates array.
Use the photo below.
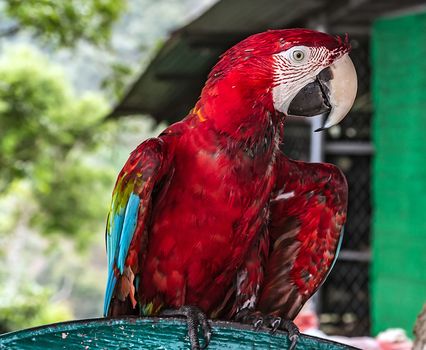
{"type": "Point", "coordinates": [308, 211]}
{"type": "Point", "coordinates": [127, 219]}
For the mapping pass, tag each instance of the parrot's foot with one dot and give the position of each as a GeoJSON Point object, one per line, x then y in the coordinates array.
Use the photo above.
{"type": "Point", "coordinates": [194, 318]}
{"type": "Point", "coordinates": [257, 319]}
{"type": "Point", "coordinates": [286, 325]}
{"type": "Point", "coordinates": [248, 316]}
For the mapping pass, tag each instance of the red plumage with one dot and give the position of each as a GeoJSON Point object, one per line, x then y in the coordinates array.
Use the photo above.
{"type": "Point", "coordinates": [213, 227]}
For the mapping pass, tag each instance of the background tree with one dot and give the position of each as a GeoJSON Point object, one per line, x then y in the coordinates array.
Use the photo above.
{"type": "Point", "coordinates": [47, 139]}
{"type": "Point", "coordinates": [60, 62]}
{"type": "Point", "coordinates": [58, 163]}
{"type": "Point", "coordinates": [63, 23]}
{"type": "Point", "coordinates": [48, 142]}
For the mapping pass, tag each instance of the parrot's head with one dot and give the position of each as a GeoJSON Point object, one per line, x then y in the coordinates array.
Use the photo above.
{"type": "Point", "coordinates": [296, 72]}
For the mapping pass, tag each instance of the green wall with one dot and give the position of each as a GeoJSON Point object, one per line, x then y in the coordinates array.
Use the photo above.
{"type": "Point", "coordinates": [398, 276]}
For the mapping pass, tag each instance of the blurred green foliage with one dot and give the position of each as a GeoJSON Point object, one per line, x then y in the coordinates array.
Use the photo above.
{"type": "Point", "coordinates": [58, 163]}
{"type": "Point", "coordinates": [63, 23]}
{"type": "Point", "coordinates": [52, 179]}
{"type": "Point", "coordinates": [115, 83]}
{"type": "Point", "coordinates": [58, 157]}
{"type": "Point", "coordinates": [40, 118]}
{"type": "Point", "coordinates": [48, 164]}
{"type": "Point", "coordinates": [29, 308]}
{"type": "Point", "coordinates": [45, 134]}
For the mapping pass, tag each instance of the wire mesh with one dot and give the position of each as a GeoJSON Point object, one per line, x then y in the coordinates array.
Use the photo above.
{"type": "Point", "coordinates": [357, 228]}
{"type": "Point", "coordinates": [297, 138]}
{"type": "Point", "coordinates": [356, 126]}
{"type": "Point", "coordinates": [345, 306]}
{"type": "Point", "coordinates": [344, 297]}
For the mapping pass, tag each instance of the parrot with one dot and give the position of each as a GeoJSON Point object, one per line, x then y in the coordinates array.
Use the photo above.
{"type": "Point", "coordinates": [210, 220]}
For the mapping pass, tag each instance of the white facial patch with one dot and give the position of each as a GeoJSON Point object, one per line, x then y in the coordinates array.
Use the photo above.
{"type": "Point", "coordinates": [291, 73]}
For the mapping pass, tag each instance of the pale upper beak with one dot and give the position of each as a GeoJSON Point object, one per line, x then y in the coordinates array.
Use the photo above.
{"type": "Point", "coordinates": [333, 93]}
{"type": "Point", "coordinates": [343, 88]}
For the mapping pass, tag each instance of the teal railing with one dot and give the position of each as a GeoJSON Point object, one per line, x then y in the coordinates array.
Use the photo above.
{"type": "Point", "coordinates": [150, 333]}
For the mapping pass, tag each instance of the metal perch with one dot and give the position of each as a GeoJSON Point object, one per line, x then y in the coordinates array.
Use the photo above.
{"type": "Point", "coordinates": [151, 333]}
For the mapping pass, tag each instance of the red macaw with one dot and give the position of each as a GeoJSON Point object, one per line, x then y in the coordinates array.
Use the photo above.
{"type": "Point", "coordinates": [210, 218]}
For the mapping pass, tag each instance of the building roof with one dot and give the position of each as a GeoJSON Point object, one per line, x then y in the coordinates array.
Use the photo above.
{"type": "Point", "coordinates": [173, 80]}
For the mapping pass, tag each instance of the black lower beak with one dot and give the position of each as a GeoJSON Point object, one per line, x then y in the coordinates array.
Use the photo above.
{"type": "Point", "coordinates": [313, 99]}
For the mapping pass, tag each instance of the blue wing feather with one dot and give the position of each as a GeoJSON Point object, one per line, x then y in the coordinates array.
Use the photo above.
{"type": "Point", "coordinates": [111, 282]}
{"type": "Point", "coordinates": [122, 224]}
{"type": "Point", "coordinates": [129, 226]}
{"type": "Point", "coordinates": [144, 163]}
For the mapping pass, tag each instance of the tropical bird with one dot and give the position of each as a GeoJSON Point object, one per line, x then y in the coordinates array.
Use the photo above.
{"type": "Point", "coordinates": [210, 219]}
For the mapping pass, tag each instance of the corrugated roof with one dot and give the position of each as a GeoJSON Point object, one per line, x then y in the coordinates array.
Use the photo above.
{"type": "Point", "coordinates": [172, 82]}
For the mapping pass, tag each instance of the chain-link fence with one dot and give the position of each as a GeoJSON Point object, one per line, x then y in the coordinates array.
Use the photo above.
{"type": "Point", "coordinates": [345, 302]}
{"type": "Point", "coordinates": [344, 298]}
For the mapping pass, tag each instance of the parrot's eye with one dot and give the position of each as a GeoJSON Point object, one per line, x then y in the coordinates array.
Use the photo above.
{"type": "Point", "coordinates": [298, 55]}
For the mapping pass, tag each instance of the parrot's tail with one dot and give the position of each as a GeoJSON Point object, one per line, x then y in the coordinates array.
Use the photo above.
{"type": "Point", "coordinates": [111, 282]}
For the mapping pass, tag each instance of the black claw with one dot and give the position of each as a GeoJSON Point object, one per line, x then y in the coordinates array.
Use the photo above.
{"type": "Point", "coordinates": [275, 324]}
{"type": "Point", "coordinates": [205, 327]}
{"type": "Point", "coordinates": [194, 318]}
{"type": "Point", "coordinates": [293, 342]}
{"type": "Point", "coordinates": [248, 316]}
{"type": "Point", "coordinates": [257, 320]}
{"type": "Point", "coordinates": [257, 324]}
{"type": "Point", "coordinates": [293, 332]}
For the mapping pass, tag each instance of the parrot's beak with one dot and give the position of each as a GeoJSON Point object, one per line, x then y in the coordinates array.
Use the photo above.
{"type": "Point", "coordinates": [332, 93]}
